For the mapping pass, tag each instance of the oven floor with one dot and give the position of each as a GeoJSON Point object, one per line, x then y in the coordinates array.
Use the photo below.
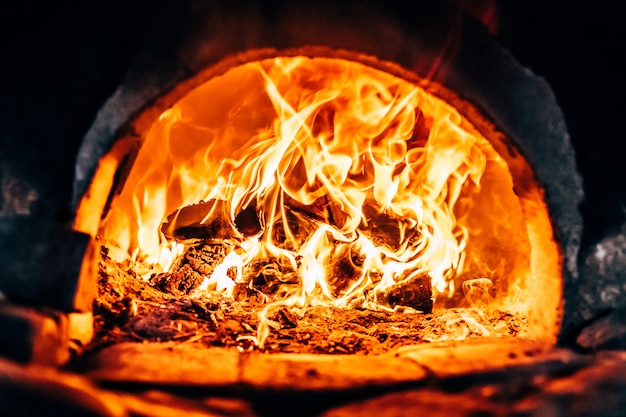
{"type": "Point", "coordinates": [483, 378]}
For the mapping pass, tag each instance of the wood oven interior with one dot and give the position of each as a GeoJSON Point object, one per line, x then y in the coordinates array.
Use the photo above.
{"type": "Point", "coordinates": [160, 348]}
{"type": "Point", "coordinates": [203, 209]}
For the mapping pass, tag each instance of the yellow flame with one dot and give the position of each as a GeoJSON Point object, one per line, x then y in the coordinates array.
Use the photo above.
{"type": "Point", "coordinates": [351, 171]}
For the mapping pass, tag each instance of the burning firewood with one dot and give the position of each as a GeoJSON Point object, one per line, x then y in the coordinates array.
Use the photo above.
{"type": "Point", "coordinates": [302, 220]}
{"type": "Point", "coordinates": [292, 230]}
{"type": "Point", "coordinates": [125, 307]}
{"type": "Point", "coordinates": [324, 210]}
{"type": "Point", "coordinates": [190, 269]}
{"type": "Point", "coordinates": [417, 294]}
{"type": "Point", "coordinates": [347, 267]}
{"type": "Point", "coordinates": [271, 275]}
{"type": "Point", "coordinates": [383, 228]}
{"type": "Point", "coordinates": [209, 221]}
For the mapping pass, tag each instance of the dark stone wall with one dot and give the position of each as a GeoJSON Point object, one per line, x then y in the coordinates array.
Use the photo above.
{"type": "Point", "coordinates": [60, 62]}
{"type": "Point", "coordinates": [577, 47]}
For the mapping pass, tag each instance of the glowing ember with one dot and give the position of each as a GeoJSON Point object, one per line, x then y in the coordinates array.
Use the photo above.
{"type": "Point", "coordinates": [324, 182]}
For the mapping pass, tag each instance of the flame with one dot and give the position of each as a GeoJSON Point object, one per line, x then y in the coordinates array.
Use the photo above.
{"type": "Point", "coordinates": [357, 181]}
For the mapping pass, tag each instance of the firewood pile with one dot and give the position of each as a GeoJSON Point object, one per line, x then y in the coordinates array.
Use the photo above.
{"type": "Point", "coordinates": [208, 235]}
{"type": "Point", "coordinates": [129, 309]}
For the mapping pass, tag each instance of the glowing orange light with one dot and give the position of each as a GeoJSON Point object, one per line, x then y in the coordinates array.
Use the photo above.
{"type": "Point", "coordinates": [315, 165]}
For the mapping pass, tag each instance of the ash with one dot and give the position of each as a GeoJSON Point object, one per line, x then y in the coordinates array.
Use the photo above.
{"type": "Point", "coordinates": [128, 308]}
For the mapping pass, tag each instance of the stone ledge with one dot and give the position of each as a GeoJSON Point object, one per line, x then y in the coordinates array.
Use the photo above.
{"type": "Point", "coordinates": [307, 372]}
{"type": "Point", "coordinates": [189, 364]}
{"type": "Point", "coordinates": [166, 364]}
{"type": "Point", "coordinates": [576, 386]}
{"type": "Point", "coordinates": [596, 389]}
{"type": "Point", "coordinates": [450, 359]}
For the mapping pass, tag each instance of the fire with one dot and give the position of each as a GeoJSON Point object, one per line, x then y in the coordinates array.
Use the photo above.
{"type": "Point", "coordinates": [333, 181]}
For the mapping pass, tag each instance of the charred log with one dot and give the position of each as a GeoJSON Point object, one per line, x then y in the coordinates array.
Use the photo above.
{"type": "Point", "coordinates": [298, 221]}
{"type": "Point", "coordinates": [210, 222]}
{"type": "Point", "coordinates": [347, 268]}
{"type": "Point", "coordinates": [248, 222]}
{"type": "Point", "coordinates": [324, 210]}
{"type": "Point", "coordinates": [417, 294]}
{"type": "Point", "coordinates": [190, 269]}
{"type": "Point", "coordinates": [383, 228]}
{"type": "Point", "coordinates": [270, 276]}
{"type": "Point", "coordinates": [291, 230]}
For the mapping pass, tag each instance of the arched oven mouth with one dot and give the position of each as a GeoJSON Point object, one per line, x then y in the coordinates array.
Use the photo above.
{"type": "Point", "coordinates": [229, 213]}
{"type": "Point", "coordinates": [173, 267]}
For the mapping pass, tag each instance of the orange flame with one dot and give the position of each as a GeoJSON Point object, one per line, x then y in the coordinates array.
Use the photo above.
{"type": "Point", "coordinates": [345, 166]}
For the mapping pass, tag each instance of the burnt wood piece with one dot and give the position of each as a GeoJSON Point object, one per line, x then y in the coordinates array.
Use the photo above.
{"type": "Point", "coordinates": [271, 276]}
{"type": "Point", "coordinates": [324, 209]}
{"type": "Point", "coordinates": [300, 226]}
{"type": "Point", "coordinates": [347, 267]}
{"type": "Point", "coordinates": [416, 293]}
{"type": "Point", "coordinates": [45, 264]}
{"type": "Point", "coordinates": [383, 229]}
{"type": "Point", "coordinates": [210, 221]}
{"type": "Point", "coordinates": [302, 220]}
{"type": "Point", "coordinates": [30, 336]}
{"type": "Point", "coordinates": [190, 269]}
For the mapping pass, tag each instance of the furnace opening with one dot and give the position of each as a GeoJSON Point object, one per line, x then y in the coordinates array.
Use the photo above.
{"type": "Point", "coordinates": [283, 193]}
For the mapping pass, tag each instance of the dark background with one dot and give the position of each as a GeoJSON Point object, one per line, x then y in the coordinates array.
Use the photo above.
{"type": "Point", "coordinates": [60, 61]}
